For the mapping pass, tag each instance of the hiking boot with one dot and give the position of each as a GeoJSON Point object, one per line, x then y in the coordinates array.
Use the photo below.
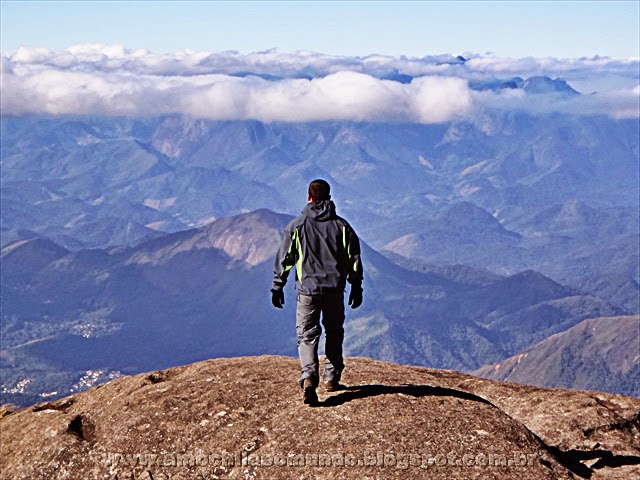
{"type": "Point", "coordinates": [309, 397]}
{"type": "Point", "coordinates": [332, 385]}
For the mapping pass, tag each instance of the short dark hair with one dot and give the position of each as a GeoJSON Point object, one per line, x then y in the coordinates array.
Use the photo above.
{"type": "Point", "coordinates": [319, 190]}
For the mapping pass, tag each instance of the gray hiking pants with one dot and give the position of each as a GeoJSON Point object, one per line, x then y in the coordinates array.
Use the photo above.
{"type": "Point", "coordinates": [308, 330]}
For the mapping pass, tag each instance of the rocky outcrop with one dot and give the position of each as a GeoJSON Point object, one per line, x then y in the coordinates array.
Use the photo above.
{"type": "Point", "coordinates": [244, 418]}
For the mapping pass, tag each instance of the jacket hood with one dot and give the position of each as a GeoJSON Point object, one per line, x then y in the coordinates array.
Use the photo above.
{"type": "Point", "coordinates": [320, 211]}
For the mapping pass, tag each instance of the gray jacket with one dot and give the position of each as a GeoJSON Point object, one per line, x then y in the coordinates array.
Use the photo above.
{"type": "Point", "coordinates": [324, 249]}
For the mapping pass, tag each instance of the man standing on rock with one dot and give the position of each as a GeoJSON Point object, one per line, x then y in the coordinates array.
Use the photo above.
{"type": "Point", "coordinates": [326, 254]}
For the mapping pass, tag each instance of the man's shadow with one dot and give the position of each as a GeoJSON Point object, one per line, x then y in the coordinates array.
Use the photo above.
{"type": "Point", "coordinates": [348, 393]}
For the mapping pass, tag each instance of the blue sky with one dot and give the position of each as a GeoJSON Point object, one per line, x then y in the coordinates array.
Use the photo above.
{"type": "Point", "coordinates": [507, 29]}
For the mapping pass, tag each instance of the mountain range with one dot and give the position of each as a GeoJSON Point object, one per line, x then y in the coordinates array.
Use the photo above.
{"type": "Point", "coordinates": [204, 293]}
{"type": "Point", "coordinates": [130, 244]}
{"type": "Point", "coordinates": [563, 187]}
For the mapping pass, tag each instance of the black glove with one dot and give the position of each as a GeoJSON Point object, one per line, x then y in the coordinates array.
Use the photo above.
{"type": "Point", "coordinates": [277, 298]}
{"type": "Point", "coordinates": [355, 297]}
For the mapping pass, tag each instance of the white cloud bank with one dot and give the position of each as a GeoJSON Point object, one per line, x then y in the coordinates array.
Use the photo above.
{"type": "Point", "coordinates": [111, 80]}
{"type": "Point", "coordinates": [339, 96]}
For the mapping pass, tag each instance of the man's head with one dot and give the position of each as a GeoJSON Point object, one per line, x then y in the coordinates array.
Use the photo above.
{"type": "Point", "coordinates": [319, 190]}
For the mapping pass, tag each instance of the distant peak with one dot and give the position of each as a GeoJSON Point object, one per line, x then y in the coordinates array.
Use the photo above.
{"type": "Point", "coordinates": [467, 211]}
{"type": "Point", "coordinates": [544, 84]}
{"type": "Point", "coordinates": [261, 215]}
{"type": "Point", "coordinates": [536, 280]}
{"type": "Point", "coordinates": [40, 244]}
